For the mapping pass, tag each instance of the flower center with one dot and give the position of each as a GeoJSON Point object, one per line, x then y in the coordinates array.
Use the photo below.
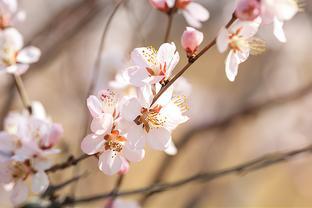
{"type": "Point", "coordinates": [8, 56]}
{"type": "Point", "coordinates": [150, 118]}
{"type": "Point", "coordinates": [21, 170]}
{"type": "Point", "coordinates": [114, 141]}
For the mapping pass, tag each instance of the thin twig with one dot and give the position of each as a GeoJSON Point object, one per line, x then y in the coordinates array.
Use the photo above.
{"type": "Point", "coordinates": [71, 161]}
{"type": "Point", "coordinates": [22, 92]}
{"type": "Point", "coordinates": [97, 63]}
{"type": "Point", "coordinates": [241, 170]}
{"type": "Point", "coordinates": [190, 63]}
{"type": "Point", "coordinates": [54, 188]}
{"type": "Point", "coordinates": [169, 25]}
{"type": "Point", "coordinates": [223, 123]}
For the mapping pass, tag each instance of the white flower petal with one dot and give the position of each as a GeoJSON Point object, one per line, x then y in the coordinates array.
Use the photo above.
{"type": "Point", "coordinates": [197, 11]}
{"type": "Point", "coordinates": [94, 106]}
{"type": "Point", "coordinates": [132, 153]}
{"type": "Point", "coordinates": [279, 31]}
{"type": "Point", "coordinates": [131, 109]}
{"type": "Point", "coordinates": [19, 193]}
{"type": "Point", "coordinates": [158, 138]}
{"type": "Point", "coordinates": [40, 182]}
{"type": "Point", "coordinates": [231, 66]}
{"type": "Point", "coordinates": [171, 149]}
{"type": "Point", "coordinates": [222, 40]}
{"type": "Point", "coordinates": [92, 144]}
{"type": "Point", "coordinates": [138, 76]}
{"type": "Point", "coordinates": [109, 162]}
{"type": "Point", "coordinates": [102, 124]}
{"type": "Point", "coordinates": [28, 55]}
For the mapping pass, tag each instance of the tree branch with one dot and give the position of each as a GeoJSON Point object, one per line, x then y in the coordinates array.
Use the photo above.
{"type": "Point", "coordinates": [242, 169]}
{"type": "Point", "coordinates": [190, 63]}
{"type": "Point", "coordinates": [71, 161]}
{"type": "Point", "coordinates": [223, 123]}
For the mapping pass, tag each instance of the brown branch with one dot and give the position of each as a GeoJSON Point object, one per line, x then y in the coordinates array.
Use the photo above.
{"type": "Point", "coordinates": [190, 63]}
{"type": "Point", "coordinates": [22, 92]}
{"type": "Point", "coordinates": [169, 25]}
{"type": "Point", "coordinates": [97, 64]}
{"type": "Point", "coordinates": [71, 161]}
{"type": "Point", "coordinates": [223, 123]}
{"type": "Point", "coordinates": [241, 170]}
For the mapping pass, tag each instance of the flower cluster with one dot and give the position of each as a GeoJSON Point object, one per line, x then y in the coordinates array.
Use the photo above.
{"type": "Point", "coordinates": [239, 37]}
{"type": "Point", "coordinates": [14, 57]}
{"type": "Point", "coordinates": [193, 12]}
{"type": "Point", "coordinates": [123, 125]}
{"type": "Point", "coordinates": [26, 144]}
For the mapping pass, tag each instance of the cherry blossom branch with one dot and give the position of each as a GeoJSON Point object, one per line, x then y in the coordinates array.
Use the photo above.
{"type": "Point", "coordinates": [22, 92]}
{"type": "Point", "coordinates": [165, 164]}
{"type": "Point", "coordinates": [71, 161]}
{"type": "Point", "coordinates": [241, 170]}
{"type": "Point", "coordinates": [190, 63]}
{"type": "Point", "coordinates": [50, 192]}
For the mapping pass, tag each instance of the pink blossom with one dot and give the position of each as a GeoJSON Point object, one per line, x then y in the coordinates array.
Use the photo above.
{"type": "Point", "coordinates": [239, 38]}
{"type": "Point", "coordinates": [277, 12]}
{"type": "Point", "coordinates": [152, 66]}
{"type": "Point", "coordinates": [106, 141]}
{"type": "Point", "coordinates": [193, 12]}
{"type": "Point", "coordinates": [153, 125]}
{"type": "Point", "coordinates": [13, 57]}
{"type": "Point", "coordinates": [9, 13]}
{"type": "Point", "coordinates": [248, 10]}
{"type": "Point", "coordinates": [162, 5]}
{"type": "Point", "coordinates": [190, 40]}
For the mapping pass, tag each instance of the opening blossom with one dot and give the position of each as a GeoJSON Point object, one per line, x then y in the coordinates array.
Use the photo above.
{"type": "Point", "coordinates": [25, 147]}
{"type": "Point", "coordinates": [239, 39]}
{"type": "Point", "coordinates": [152, 66]}
{"type": "Point", "coordinates": [153, 125]}
{"type": "Point", "coordinates": [106, 141]}
{"type": "Point", "coordinates": [193, 12]}
{"type": "Point", "coordinates": [190, 40]}
{"type": "Point", "coordinates": [270, 11]}
{"type": "Point", "coordinates": [13, 57]}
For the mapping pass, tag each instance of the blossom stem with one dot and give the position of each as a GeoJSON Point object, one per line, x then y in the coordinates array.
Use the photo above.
{"type": "Point", "coordinates": [97, 63]}
{"type": "Point", "coordinates": [247, 167]}
{"type": "Point", "coordinates": [22, 92]}
{"type": "Point", "coordinates": [169, 25]}
{"type": "Point", "coordinates": [71, 161]}
{"type": "Point", "coordinates": [190, 62]}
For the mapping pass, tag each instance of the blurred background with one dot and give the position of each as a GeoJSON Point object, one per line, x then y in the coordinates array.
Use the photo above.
{"type": "Point", "coordinates": [68, 33]}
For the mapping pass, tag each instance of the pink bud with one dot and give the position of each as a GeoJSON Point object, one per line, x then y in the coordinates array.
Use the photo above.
{"type": "Point", "coordinates": [160, 5]}
{"type": "Point", "coordinates": [54, 136]}
{"type": "Point", "coordinates": [191, 39]}
{"type": "Point", "coordinates": [248, 10]}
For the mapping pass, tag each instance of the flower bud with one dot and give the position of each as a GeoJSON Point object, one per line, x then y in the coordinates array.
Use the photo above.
{"type": "Point", "coordinates": [191, 39]}
{"type": "Point", "coordinates": [161, 5]}
{"type": "Point", "coordinates": [248, 10]}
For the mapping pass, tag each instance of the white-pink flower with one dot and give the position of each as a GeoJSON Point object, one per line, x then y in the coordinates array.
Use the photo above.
{"type": "Point", "coordinates": [9, 13]}
{"type": "Point", "coordinates": [120, 203]}
{"type": "Point", "coordinates": [193, 12]}
{"type": "Point", "coordinates": [13, 57]}
{"type": "Point", "coordinates": [162, 5]}
{"type": "Point", "coordinates": [276, 12]}
{"type": "Point", "coordinates": [152, 66]}
{"type": "Point", "coordinates": [239, 39]}
{"type": "Point", "coordinates": [248, 10]}
{"type": "Point", "coordinates": [106, 141]}
{"type": "Point", "coordinates": [143, 123]}
{"type": "Point", "coordinates": [190, 40]}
